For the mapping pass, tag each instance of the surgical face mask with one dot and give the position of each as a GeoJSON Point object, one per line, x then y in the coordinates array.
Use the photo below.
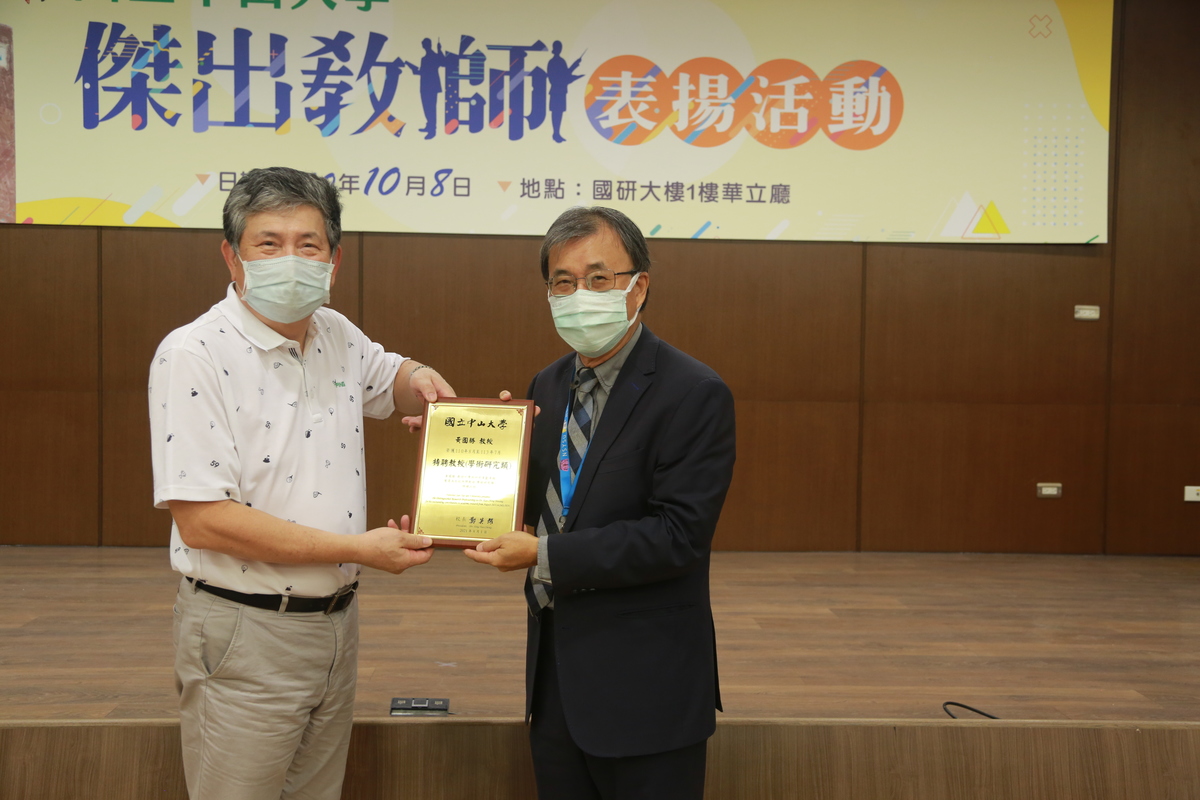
{"type": "Point", "coordinates": [592, 322]}
{"type": "Point", "coordinates": [288, 288]}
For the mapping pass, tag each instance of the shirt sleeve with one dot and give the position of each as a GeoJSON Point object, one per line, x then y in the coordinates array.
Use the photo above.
{"type": "Point", "coordinates": [192, 446]}
{"type": "Point", "coordinates": [379, 369]}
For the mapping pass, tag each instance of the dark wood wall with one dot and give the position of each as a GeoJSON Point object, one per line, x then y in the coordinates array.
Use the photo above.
{"type": "Point", "coordinates": [889, 397]}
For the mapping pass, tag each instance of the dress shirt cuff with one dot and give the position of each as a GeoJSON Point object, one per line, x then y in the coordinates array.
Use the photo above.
{"type": "Point", "coordinates": [541, 572]}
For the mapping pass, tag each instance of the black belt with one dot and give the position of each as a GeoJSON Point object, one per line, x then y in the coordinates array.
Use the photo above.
{"type": "Point", "coordinates": [284, 602]}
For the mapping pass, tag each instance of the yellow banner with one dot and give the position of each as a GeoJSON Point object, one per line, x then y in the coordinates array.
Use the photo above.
{"type": "Point", "coordinates": [863, 120]}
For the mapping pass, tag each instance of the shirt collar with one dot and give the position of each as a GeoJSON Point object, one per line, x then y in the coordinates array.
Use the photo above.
{"type": "Point", "coordinates": [607, 372]}
{"type": "Point", "coordinates": [250, 326]}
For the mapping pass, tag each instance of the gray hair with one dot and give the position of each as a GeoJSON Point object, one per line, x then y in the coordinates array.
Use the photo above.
{"type": "Point", "coordinates": [580, 223]}
{"type": "Point", "coordinates": [280, 189]}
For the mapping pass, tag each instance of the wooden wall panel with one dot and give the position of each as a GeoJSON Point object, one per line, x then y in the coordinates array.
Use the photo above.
{"type": "Point", "coordinates": [450, 759]}
{"type": "Point", "coordinates": [439, 757]}
{"type": "Point", "coordinates": [973, 759]}
{"type": "Point", "coordinates": [1156, 332]}
{"type": "Point", "coordinates": [955, 336]}
{"type": "Point", "coordinates": [157, 280]}
{"type": "Point", "coordinates": [795, 485]}
{"type": "Point", "coordinates": [346, 294]}
{"type": "Point", "coordinates": [986, 324]}
{"type": "Point", "coordinates": [154, 281]}
{"type": "Point", "coordinates": [49, 387]}
{"type": "Point", "coordinates": [472, 307]}
{"type": "Point", "coordinates": [780, 321]}
{"type": "Point", "coordinates": [49, 274]}
{"type": "Point", "coordinates": [72, 760]}
{"type": "Point", "coordinates": [50, 492]}
{"type": "Point", "coordinates": [485, 324]}
{"type": "Point", "coordinates": [940, 477]}
{"type": "Point", "coordinates": [1154, 453]}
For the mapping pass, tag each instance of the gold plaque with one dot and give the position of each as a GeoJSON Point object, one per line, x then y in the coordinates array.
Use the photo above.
{"type": "Point", "coordinates": [471, 470]}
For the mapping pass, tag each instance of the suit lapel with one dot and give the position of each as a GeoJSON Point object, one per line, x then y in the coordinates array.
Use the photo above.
{"type": "Point", "coordinates": [631, 385]}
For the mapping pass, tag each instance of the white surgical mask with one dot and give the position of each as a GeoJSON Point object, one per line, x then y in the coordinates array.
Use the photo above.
{"type": "Point", "coordinates": [592, 322]}
{"type": "Point", "coordinates": [288, 288]}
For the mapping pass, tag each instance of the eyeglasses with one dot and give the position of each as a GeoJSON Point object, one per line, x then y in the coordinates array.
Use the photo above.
{"type": "Point", "coordinates": [601, 280]}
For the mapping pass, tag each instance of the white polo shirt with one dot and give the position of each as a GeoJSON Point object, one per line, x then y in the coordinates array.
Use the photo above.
{"type": "Point", "coordinates": [238, 413]}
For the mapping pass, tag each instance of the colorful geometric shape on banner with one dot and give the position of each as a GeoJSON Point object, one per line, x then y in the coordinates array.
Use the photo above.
{"type": "Point", "coordinates": [628, 100]}
{"type": "Point", "coordinates": [990, 222]}
{"type": "Point", "coordinates": [790, 103]}
{"type": "Point", "coordinates": [205, 183]}
{"type": "Point", "coordinates": [143, 204]}
{"type": "Point", "coordinates": [86, 210]}
{"type": "Point", "coordinates": [962, 219]}
{"type": "Point", "coordinates": [711, 104]}
{"type": "Point", "coordinates": [865, 105]}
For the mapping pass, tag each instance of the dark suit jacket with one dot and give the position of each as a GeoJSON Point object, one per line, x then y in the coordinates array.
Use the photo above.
{"type": "Point", "coordinates": [633, 626]}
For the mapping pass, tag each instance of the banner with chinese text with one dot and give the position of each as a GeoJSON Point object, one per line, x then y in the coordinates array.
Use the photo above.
{"type": "Point", "coordinates": [862, 120]}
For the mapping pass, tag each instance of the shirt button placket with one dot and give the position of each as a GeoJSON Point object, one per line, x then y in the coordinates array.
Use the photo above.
{"type": "Point", "coordinates": [310, 391]}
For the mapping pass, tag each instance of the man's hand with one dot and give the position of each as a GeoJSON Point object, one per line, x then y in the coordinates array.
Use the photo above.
{"type": "Point", "coordinates": [414, 423]}
{"type": "Point", "coordinates": [424, 384]}
{"type": "Point", "coordinates": [506, 396]}
{"type": "Point", "coordinates": [427, 385]}
{"type": "Point", "coordinates": [393, 549]}
{"type": "Point", "coordinates": [507, 552]}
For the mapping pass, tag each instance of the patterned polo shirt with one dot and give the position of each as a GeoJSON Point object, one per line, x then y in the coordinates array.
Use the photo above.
{"type": "Point", "coordinates": [238, 413]}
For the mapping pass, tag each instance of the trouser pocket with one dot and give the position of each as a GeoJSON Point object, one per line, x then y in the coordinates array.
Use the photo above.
{"type": "Point", "coordinates": [219, 635]}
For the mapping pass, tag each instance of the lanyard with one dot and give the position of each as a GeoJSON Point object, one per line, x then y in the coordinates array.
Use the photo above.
{"type": "Point", "coordinates": [566, 483]}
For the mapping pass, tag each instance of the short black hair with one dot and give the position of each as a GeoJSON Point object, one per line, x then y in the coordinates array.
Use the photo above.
{"type": "Point", "coordinates": [581, 222]}
{"type": "Point", "coordinates": [280, 189]}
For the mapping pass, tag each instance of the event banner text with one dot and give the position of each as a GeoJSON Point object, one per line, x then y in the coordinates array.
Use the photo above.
{"type": "Point", "coordinates": [864, 122]}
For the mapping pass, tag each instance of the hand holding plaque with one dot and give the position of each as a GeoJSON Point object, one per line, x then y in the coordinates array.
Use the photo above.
{"type": "Point", "coordinates": [471, 470]}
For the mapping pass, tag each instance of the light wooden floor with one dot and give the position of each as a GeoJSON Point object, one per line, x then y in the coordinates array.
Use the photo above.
{"type": "Point", "coordinates": [85, 633]}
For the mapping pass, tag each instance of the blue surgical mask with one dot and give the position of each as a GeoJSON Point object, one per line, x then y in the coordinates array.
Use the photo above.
{"type": "Point", "coordinates": [288, 288]}
{"type": "Point", "coordinates": [592, 322]}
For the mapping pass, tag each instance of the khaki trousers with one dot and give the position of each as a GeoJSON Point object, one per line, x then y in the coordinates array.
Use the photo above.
{"type": "Point", "coordinates": [266, 700]}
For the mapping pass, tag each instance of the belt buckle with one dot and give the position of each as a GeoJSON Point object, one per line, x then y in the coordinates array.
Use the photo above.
{"type": "Point", "coordinates": [338, 595]}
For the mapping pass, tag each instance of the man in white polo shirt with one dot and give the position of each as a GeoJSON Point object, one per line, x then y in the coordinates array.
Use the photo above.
{"type": "Point", "coordinates": [256, 413]}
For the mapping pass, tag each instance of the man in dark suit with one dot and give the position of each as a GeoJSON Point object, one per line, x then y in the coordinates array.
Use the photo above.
{"type": "Point", "coordinates": [622, 501]}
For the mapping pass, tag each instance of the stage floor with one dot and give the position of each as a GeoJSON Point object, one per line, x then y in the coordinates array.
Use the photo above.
{"type": "Point", "coordinates": [86, 635]}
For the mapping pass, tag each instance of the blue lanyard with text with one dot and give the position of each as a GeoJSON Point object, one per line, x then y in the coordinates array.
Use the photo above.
{"type": "Point", "coordinates": [565, 483]}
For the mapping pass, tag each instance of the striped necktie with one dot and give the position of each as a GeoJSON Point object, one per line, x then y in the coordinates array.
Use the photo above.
{"type": "Point", "coordinates": [579, 428]}
{"type": "Point", "coordinates": [579, 433]}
